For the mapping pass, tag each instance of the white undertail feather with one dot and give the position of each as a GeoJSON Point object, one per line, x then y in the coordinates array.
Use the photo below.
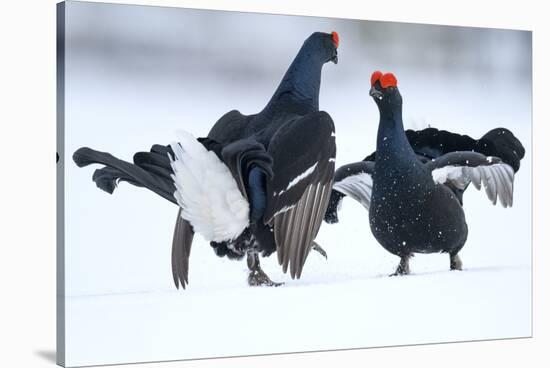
{"type": "Point", "coordinates": [207, 192]}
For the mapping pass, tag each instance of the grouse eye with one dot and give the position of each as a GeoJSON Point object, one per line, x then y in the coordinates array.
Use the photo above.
{"type": "Point", "coordinates": [388, 80]}
{"type": "Point", "coordinates": [375, 77]}
{"type": "Point", "coordinates": [335, 38]}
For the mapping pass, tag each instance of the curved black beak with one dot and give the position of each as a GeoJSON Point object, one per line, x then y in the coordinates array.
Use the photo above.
{"type": "Point", "coordinates": [376, 93]}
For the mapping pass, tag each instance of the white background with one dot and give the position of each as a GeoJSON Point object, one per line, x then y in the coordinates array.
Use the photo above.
{"type": "Point", "coordinates": [28, 269]}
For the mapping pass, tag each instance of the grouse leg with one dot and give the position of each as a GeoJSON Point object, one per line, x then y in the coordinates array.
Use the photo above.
{"type": "Point", "coordinates": [257, 277]}
{"type": "Point", "coordinates": [456, 262]}
{"type": "Point", "coordinates": [403, 267]}
{"type": "Point", "coordinates": [319, 249]}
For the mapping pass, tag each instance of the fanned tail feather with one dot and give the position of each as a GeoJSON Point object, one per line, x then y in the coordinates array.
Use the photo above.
{"type": "Point", "coordinates": [117, 170]}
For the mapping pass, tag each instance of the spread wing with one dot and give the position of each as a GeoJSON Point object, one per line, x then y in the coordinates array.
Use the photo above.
{"type": "Point", "coordinates": [459, 169]}
{"type": "Point", "coordinates": [431, 143]}
{"type": "Point", "coordinates": [353, 180]}
{"type": "Point", "coordinates": [230, 127]}
{"type": "Point", "coordinates": [303, 154]}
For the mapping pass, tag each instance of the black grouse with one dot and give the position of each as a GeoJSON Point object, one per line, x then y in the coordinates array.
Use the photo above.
{"type": "Point", "coordinates": [412, 185]}
{"type": "Point", "coordinates": [256, 184]}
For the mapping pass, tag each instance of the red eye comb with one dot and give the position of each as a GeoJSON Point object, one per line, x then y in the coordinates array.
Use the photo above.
{"type": "Point", "coordinates": [335, 38]}
{"type": "Point", "coordinates": [375, 77]}
{"type": "Point", "coordinates": [388, 80]}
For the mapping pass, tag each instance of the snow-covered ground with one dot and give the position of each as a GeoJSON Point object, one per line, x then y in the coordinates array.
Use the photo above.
{"type": "Point", "coordinates": [121, 305]}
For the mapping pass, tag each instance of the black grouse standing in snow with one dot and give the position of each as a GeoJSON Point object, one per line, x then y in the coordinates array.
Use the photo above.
{"type": "Point", "coordinates": [256, 184]}
{"type": "Point", "coordinates": [413, 184]}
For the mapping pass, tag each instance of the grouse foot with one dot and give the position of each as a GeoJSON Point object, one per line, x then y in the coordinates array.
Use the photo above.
{"type": "Point", "coordinates": [257, 277]}
{"type": "Point", "coordinates": [318, 248]}
{"type": "Point", "coordinates": [456, 262]}
{"type": "Point", "coordinates": [403, 267]}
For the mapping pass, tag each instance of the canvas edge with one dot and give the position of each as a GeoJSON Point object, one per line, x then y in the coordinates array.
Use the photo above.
{"type": "Point", "coordinates": [60, 184]}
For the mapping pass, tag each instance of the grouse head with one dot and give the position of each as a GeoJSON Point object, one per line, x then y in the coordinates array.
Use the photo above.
{"type": "Point", "coordinates": [326, 45]}
{"type": "Point", "coordinates": [384, 90]}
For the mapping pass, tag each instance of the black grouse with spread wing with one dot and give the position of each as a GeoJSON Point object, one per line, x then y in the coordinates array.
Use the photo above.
{"type": "Point", "coordinates": [257, 184]}
{"type": "Point", "coordinates": [413, 184]}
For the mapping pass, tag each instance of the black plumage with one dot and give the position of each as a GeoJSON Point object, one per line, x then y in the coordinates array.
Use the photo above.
{"type": "Point", "coordinates": [413, 184]}
{"type": "Point", "coordinates": [281, 159]}
{"type": "Point", "coordinates": [431, 143]}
